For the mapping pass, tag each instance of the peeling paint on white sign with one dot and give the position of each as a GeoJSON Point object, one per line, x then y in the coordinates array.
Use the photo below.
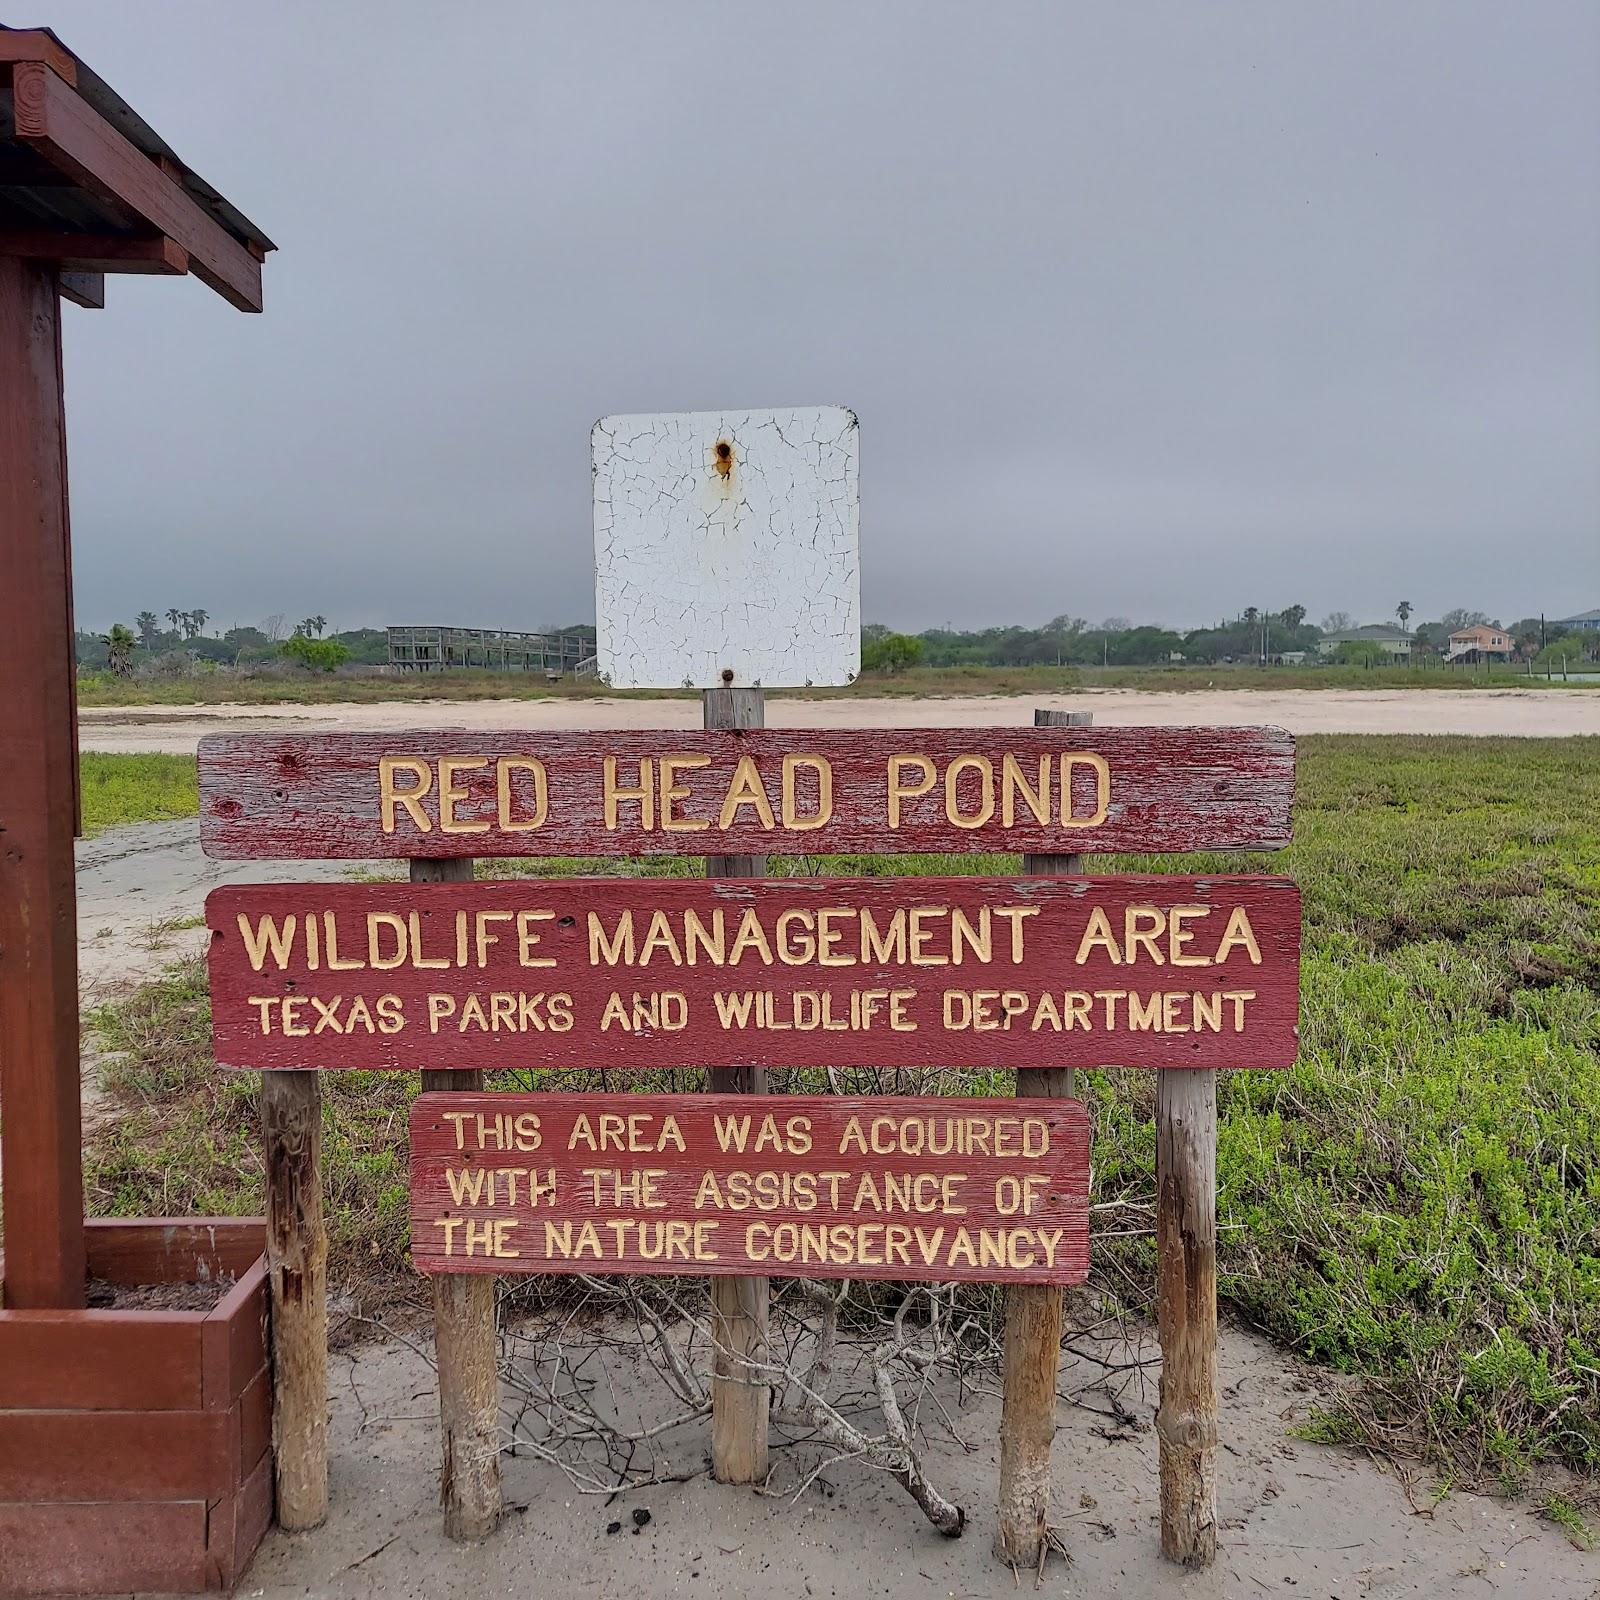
{"type": "Point", "coordinates": [726, 541]}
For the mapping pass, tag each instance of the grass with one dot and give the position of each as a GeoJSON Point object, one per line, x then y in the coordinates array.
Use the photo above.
{"type": "Point", "coordinates": [136, 788]}
{"type": "Point", "coordinates": [224, 688]}
{"type": "Point", "coordinates": [1415, 1204]}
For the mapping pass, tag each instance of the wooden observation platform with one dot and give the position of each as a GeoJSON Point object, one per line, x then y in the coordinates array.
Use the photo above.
{"type": "Point", "coordinates": [440, 649]}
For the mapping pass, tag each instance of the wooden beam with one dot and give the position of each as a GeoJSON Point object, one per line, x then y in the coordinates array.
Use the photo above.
{"type": "Point", "coordinates": [465, 1345]}
{"type": "Point", "coordinates": [98, 252]}
{"type": "Point", "coordinates": [297, 1258]}
{"type": "Point", "coordinates": [70, 134]}
{"type": "Point", "coordinates": [86, 289]}
{"type": "Point", "coordinates": [43, 1177]}
{"type": "Point", "coordinates": [1186, 1312]}
{"type": "Point", "coordinates": [1031, 1353]}
{"type": "Point", "coordinates": [741, 1396]}
{"type": "Point", "coordinates": [34, 44]}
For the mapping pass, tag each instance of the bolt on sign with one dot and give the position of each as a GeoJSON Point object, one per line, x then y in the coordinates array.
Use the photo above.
{"type": "Point", "coordinates": [726, 542]}
{"type": "Point", "coordinates": [1045, 790]}
{"type": "Point", "coordinates": [942, 1189]}
{"type": "Point", "coordinates": [988, 972]}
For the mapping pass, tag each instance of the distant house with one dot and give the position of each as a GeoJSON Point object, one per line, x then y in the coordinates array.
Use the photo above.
{"type": "Point", "coordinates": [1584, 622]}
{"type": "Point", "coordinates": [1388, 638]}
{"type": "Point", "coordinates": [1480, 643]}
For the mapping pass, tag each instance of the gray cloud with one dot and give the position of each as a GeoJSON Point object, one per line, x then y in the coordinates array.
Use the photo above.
{"type": "Point", "coordinates": [1155, 310]}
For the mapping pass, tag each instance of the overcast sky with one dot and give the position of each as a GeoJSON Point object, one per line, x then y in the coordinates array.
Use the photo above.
{"type": "Point", "coordinates": [1154, 310]}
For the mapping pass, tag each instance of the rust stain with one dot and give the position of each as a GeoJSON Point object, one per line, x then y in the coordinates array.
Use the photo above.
{"type": "Point", "coordinates": [724, 457]}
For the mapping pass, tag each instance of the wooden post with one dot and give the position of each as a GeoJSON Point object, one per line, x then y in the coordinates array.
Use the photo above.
{"type": "Point", "coordinates": [740, 1395]}
{"type": "Point", "coordinates": [297, 1268]}
{"type": "Point", "coordinates": [1032, 1351]}
{"type": "Point", "coordinates": [465, 1344]}
{"type": "Point", "coordinates": [43, 1199]}
{"type": "Point", "coordinates": [1186, 1272]}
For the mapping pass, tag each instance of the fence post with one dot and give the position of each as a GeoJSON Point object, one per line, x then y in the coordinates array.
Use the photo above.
{"type": "Point", "coordinates": [1186, 1311]}
{"type": "Point", "coordinates": [1032, 1352]}
{"type": "Point", "coordinates": [740, 1396]}
{"type": "Point", "coordinates": [465, 1342]}
{"type": "Point", "coordinates": [297, 1269]}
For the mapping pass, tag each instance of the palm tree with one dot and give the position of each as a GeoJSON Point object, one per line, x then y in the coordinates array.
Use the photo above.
{"type": "Point", "coordinates": [146, 623]}
{"type": "Point", "coordinates": [1403, 612]}
{"type": "Point", "coordinates": [119, 645]}
{"type": "Point", "coordinates": [319, 623]}
{"type": "Point", "coordinates": [176, 617]}
{"type": "Point", "coordinates": [197, 621]}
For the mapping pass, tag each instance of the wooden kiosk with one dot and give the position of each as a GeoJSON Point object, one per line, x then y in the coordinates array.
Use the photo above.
{"type": "Point", "coordinates": [135, 1445]}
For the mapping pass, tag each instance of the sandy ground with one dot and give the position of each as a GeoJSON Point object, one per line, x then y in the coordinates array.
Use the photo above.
{"type": "Point", "coordinates": [1296, 1519]}
{"type": "Point", "coordinates": [136, 885]}
{"type": "Point", "coordinates": [1534, 712]}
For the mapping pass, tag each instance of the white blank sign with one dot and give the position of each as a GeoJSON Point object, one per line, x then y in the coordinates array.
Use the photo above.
{"type": "Point", "coordinates": [726, 541]}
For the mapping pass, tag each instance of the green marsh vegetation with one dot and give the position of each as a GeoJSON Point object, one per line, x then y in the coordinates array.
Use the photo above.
{"type": "Point", "coordinates": [1416, 1204]}
{"type": "Point", "coordinates": [135, 788]}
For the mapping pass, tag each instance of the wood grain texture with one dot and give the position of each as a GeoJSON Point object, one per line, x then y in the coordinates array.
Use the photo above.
{"type": "Point", "coordinates": [103, 1548]}
{"type": "Point", "coordinates": [826, 1169]}
{"type": "Point", "coordinates": [34, 44]}
{"type": "Point", "coordinates": [1048, 943]}
{"type": "Point", "coordinates": [100, 1360]}
{"type": "Point", "coordinates": [234, 1338]}
{"type": "Point", "coordinates": [235, 1525]}
{"type": "Point", "coordinates": [1186, 1313]}
{"type": "Point", "coordinates": [69, 133]}
{"type": "Point", "coordinates": [1031, 1349]}
{"type": "Point", "coordinates": [114, 1455]}
{"type": "Point", "coordinates": [42, 1166]}
{"type": "Point", "coordinates": [297, 1264]}
{"type": "Point", "coordinates": [465, 1345]}
{"type": "Point", "coordinates": [172, 1249]}
{"type": "Point", "coordinates": [314, 796]}
{"type": "Point", "coordinates": [94, 252]}
{"type": "Point", "coordinates": [741, 1394]}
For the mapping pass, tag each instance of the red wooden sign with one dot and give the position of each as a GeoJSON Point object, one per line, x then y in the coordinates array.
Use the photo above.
{"type": "Point", "coordinates": [995, 1191]}
{"type": "Point", "coordinates": [363, 795]}
{"type": "Point", "coordinates": [578, 973]}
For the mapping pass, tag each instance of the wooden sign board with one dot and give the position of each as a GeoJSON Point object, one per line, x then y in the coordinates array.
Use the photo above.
{"type": "Point", "coordinates": [992, 1191]}
{"type": "Point", "coordinates": [367, 795]}
{"type": "Point", "coordinates": [584, 973]}
{"type": "Point", "coordinates": [727, 542]}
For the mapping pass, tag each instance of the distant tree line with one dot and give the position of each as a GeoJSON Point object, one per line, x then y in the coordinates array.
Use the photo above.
{"type": "Point", "coordinates": [1067, 641]}
{"type": "Point", "coordinates": [148, 646]}
{"type": "Point", "coordinates": [184, 642]}
{"type": "Point", "coordinates": [1254, 635]}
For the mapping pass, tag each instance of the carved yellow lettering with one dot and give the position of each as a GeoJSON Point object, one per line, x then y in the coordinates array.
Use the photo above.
{"type": "Point", "coordinates": [410, 798]}
{"type": "Point", "coordinates": [900, 789]}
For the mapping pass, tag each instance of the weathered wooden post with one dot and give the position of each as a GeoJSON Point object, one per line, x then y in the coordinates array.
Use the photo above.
{"type": "Point", "coordinates": [740, 1395]}
{"type": "Point", "coordinates": [38, 900]}
{"type": "Point", "coordinates": [464, 1342]}
{"type": "Point", "coordinates": [297, 1270]}
{"type": "Point", "coordinates": [1032, 1350]}
{"type": "Point", "coordinates": [1186, 1272]}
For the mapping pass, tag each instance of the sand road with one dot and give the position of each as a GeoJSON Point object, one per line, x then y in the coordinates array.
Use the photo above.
{"type": "Point", "coordinates": [1526, 712]}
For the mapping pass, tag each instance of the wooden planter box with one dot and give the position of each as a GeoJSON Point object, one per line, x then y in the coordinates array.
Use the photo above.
{"type": "Point", "coordinates": [136, 1446]}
